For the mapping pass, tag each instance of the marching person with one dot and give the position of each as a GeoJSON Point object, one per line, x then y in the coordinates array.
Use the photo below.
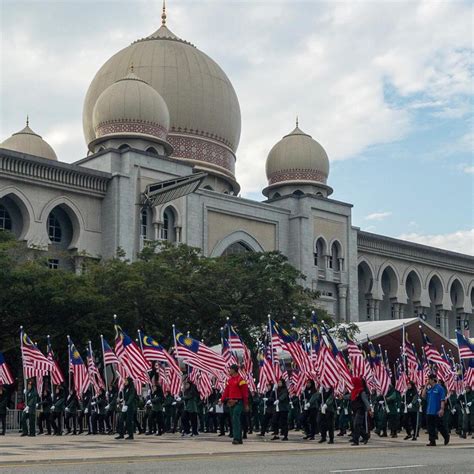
{"type": "Point", "coordinates": [189, 417]}
{"type": "Point", "coordinates": [110, 409]}
{"type": "Point", "coordinates": [326, 411]}
{"type": "Point", "coordinates": [310, 413]}
{"type": "Point", "coordinates": [392, 400]}
{"type": "Point", "coordinates": [282, 407]}
{"type": "Point", "coordinates": [128, 410]}
{"type": "Point", "coordinates": [468, 412]}
{"type": "Point", "coordinates": [435, 396]}
{"type": "Point", "coordinates": [412, 416]}
{"type": "Point", "coordinates": [72, 404]}
{"type": "Point", "coordinates": [4, 399]}
{"type": "Point", "coordinates": [360, 408]}
{"type": "Point", "coordinates": [44, 406]}
{"type": "Point", "coordinates": [28, 416]}
{"type": "Point", "coordinates": [156, 421]}
{"type": "Point", "coordinates": [236, 397]}
{"type": "Point", "coordinates": [98, 415]}
{"type": "Point", "coordinates": [268, 409]}
{"type": "Point", "coordinates": [57, 410]}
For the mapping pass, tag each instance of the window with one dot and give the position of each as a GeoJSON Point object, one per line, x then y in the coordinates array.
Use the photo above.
{"type": "Point", "coordinates": [438, 321]}
{"type": "Point", "coordinates": [165, 230]}
{"type": "Point", "coordinates": [5, 219]}
{"type": "Point", "coordinates": [54, 229]}
{"type": "Point", "coordinates": [368, 309]}
{"type": "Point", "coordinates": [458, 321]}
{"type": "Point", "coordinates": [124, 147]}
{"type": "Point", "coordinates": [298, 193]}
{"type": "Point", "coordinates": [152, 151]}
{"type": "Point", "coordinates": [144, 223]}
{"type": "Point", "coordinates": [319, 253]}
{"type": "Point", "coordinates": [209, 188]}
{"type": "Point", "coordinates": [237, 248]}
{"type": "Point", "coordinates": [392, 311]}
{"type": "Point", "coordinates": [53, 263]}
{"type": "Point", "coordinates": [330, 261]}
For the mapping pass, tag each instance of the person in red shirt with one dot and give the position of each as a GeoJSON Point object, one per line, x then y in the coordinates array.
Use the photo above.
{"type": "Point", "coordinates": [236, 395]}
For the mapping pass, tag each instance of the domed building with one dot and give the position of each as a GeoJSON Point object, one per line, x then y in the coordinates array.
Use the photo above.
{"type": "Point", "coordinates": [29, 142]}
{"type": "Point", "coordinates": [297, 164]}
{"type": "Point", "coordinates": [162, 125]}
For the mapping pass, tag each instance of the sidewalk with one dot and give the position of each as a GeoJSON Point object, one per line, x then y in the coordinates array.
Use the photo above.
{"type": "Point", "coordinates": [66, 449]}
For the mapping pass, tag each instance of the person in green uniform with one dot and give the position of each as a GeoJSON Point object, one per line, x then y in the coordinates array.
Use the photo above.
{"type": "Point", "coordinates": [44, 406]}
{"type": "Point", "coordinates": [4, 399]}
{"type": "Point", "coordinates": [310, 410]}
{"type": "Point", "coordinates": [71, 407]}
{"type": "Point", "coordinates": [326, 412]}
{"type": "Point", "coordinates": [282, 407]}
{"type": "Point", "coordinates": [380, 412]}
{"type": "Point", "coordinates": [294, 419]}
{"type": "Point", "coordinates": [28, 417]}
{"type": "Point", "coordinates": [393, 410]}
{"type": "Point", "coordinates": [170, 410]}
{"type": "Point", "coordinates": [128, 410]}
{"type": "Point", "coordinates": [344, 414]}
{"type": "Point", "coordinates": [98, 413]}
{"type": "Point", "coordinates": [156, 423]}
{"type": "Point", "coordinates": [110, 409]}
{"type": "Point", "coordinates": [412, 415]}
{"type": "Point", "coordinates": [268, 400]}
{"type": "Point", "coordinates": [189, 418]}
{"type": "Point", "coordinates": [467, 401]}
{"type": "Point", "coordinates": [57, 410]}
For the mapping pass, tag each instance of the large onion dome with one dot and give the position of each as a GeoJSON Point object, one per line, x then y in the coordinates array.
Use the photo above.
{"type": "Point", "coordinates": [29, 142]}
{"type": "Point", "coordinates": [203, 106]}
{"type": "Point", "coordinates": [297, 160]}
{"type": "Point", "coordinates": [131, 108]}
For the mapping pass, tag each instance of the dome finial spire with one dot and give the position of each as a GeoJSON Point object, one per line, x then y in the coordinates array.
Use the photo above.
{"type": "Point", "coordinates": [297, 121]}
{"type": "Point", "coordinates": [163, 14]}
{"type": "Point", "coordinates": [27, 120]}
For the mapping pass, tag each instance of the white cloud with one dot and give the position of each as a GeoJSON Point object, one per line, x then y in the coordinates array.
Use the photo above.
{"type": "Point", "coordinates": [461, 241]}
{"type": "Point", "coordinates": [377, 216]}
{"type": "Point", "coordinates": [331, 63]}
{"type": "Point", "coordinates": [469, 169]}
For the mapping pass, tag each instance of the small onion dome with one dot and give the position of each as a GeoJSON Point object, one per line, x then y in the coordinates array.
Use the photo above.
{"type": "Point", "coordinates": [29, 142]}
{"type": "Point", "coordinates": [297, 158]}
{"type": "Point", "coordinates": [131, 108]}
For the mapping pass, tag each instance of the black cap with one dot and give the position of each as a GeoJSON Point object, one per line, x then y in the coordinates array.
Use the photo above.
{"type": "Point", "coordinates": [234, 367]}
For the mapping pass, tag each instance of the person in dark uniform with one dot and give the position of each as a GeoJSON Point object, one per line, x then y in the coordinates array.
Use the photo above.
{"type": "Point", "coordinates": [72, 404]}
{"type": "Point", "coordinates": [28, 418]}
{"type": "Point", "coordinates": [189, 420]}
{"type": "Point", "coordinates": [156, 422]}
{"type": "Point", "coordinates": [98, 414]}
{"type": "Point", "coordinates": [310, 410]}
{"type": "Point", "coordinates": [110, 409]}
{"type": "Point", "coordinates": [326, 411]}
{"type": "Point", "coordinates": [128, 410]}
{"type": "Point", "coordinates": [360, 408]}
{"type": "Point", "coordinates": [170, 411]}
{"type": "Point", "coordinates": [412, 408]}
{"type": "Point", "coordinates": [294, 420]}
{"type": "Point", "coordinates": [282, 407]}
{"type": "Point", "coordinates": [393, 410]}
{"type": "Point", "coordinates": [4, 399]}
{"type": "Point", "coordinates": [269, 409]}
{"type": "Point", "coordinates": [236, 397]}
{"type": "Point", "coordinates": [44, 407]}
{"type": "Point", "coordinates": [57, 410]}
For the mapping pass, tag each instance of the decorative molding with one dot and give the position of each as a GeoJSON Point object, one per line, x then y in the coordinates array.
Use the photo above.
{"type": "Point", "coordinates": [190, 147]}
{"type": "Point", "coordinates": [50, 172]}
{"type": "Point", "coordinates": [112, 127]}
{"type": "Point", "coordinates": [297, 175]}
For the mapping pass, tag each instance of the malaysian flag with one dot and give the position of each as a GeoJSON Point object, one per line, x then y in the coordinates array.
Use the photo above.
{"type": "Point", "coordinates": [469, 374]}
{"type": "Point", "coordinates": [78, 370]}
{"type": "Point", "coordinates": [94, 374]}
{"type": "Point", "coordinates": [316, 353]}
{"type": "Point", "coordinates": [6, 377]}
{"type": "Point", "coordinates": [35, 363]}
{"type": "Point", "coordinates": [275, 337]}
{"type": "Point", "coordinates": [411, 359]}
{"type": "Point", "coordinates": [266, 373]}
{"type": "Point", "coordinates": [198, 355]}
{"type": "Point", "coordinates": [235, 342]}
{"type": "Point", "coordinates": [343, 370]}
{"type": "Point", "coordinates": [227, 354]}
{"type": "Point", "coordinates": [401, 382]}
{"type": "Point", "coordinates": [380, 372]}
{"type": "Point", "coordinates": [108, 353]}
{"type": "Point", "coordinates": [202, 380]}
{"type": "Point", "coordinates": [466, 347]}
{"type": "Point", "coordinates": [356, 357]}
{"type": "Point", "coordinates": [433, 356]}
{"type": "Point", "coordinates": [294, 347]}
{"type": "Point", "coordinates": [329, 376]}
{"type": "Point", "coordinates": [56, 372]}
{"type": "Point", "coordinates": [131, 357]}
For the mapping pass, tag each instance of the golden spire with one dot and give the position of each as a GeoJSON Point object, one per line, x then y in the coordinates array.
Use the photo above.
{"type": "Point", "coordinates": [27, 121]}
{"type": "Point", "coordinates": [163, 15]}
{"type": "Point", "coordinates": [297, 122]}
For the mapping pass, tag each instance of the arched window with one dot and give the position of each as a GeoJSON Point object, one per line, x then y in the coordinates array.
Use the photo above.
{"type": "Point", "coordinates": [336, 260]}
{"type": "Point", "coordinates": [144, 223]}
{"type": "Point", "coordinates": [209, 188]}
{"type": "Point", "coordinates": [237, 248]}
{"type": "Point", "coordinates": [5, 219]}
{"type": "Point", "coordinates": [276, 195]}
{"type": "Point", "coordinates": [152, 150]}
{"type": "Point", "coordinates": [319, 253]}
{"type": "Point", "coordinates": [55, 232]}
{"type": "Point", "coordinates": [124, 147]}
{"type": "Point", "coordinates": [298, 193]}
{"type": "Point", "coordinates": [168, 229]}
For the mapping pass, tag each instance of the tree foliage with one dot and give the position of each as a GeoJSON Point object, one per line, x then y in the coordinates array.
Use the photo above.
{"type": "Point", "coordinates": [164, 286]}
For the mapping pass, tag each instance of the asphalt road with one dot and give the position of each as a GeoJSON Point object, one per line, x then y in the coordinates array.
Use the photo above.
{"type": "Point", "coordinates": [456, 460]}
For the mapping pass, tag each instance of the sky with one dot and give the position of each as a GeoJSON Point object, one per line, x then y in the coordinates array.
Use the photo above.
{"type": "Point", "coordinates": [385, 87]}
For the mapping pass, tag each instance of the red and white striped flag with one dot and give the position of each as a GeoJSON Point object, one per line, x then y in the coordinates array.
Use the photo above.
{"type": "Point", "coordinates": [56, 372]}
{"type": "Point", "coordinates": [78, 371]}
{"type": "Point", "coordinates": [94, 374]}
{"type": "Point", "coordinates": [35, 363]}
{"type": "Point", "coordinates": [329, 372]}
{"type": "Point", "coordinates": [6, 377]}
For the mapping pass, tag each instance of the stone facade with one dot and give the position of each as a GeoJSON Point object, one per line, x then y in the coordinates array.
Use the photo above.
{"type": "Point", "coordinates": [97, 204]}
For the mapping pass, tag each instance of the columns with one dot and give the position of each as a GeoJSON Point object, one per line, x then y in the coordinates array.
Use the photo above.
{"type": "Point", "coordinates": [396, 310]}
{"type": "Point", "coordinates": [371, 309]}
{"type": "Point", "coordinates": [342, 296]}
{"type": "Point", "coordinates": [376, 310]}
{"type": "Point", "coordinates": [156, 230]}
{"type": "Point", "coordinates": [443, 314]}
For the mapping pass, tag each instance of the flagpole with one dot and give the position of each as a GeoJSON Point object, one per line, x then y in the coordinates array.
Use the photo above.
{"type": "Point", "coordinates": [273, 367]}
{"type": "Point", "coordinates": [51, 371]}
{"type": "Point", "coordinates": [177, 356]}
{"type": "Point", "coordinates": [468, 411]}
{"type": "Point", "coordinates": [69, 364]}
{"type": "Point", "coordinates": [404, 361]}
{"type": "Point", "coordinates": [105, 368]}
{"type": "Point", "coordinates": [140, 340]}
{"type": "Point", "coordinates": [23, 363]}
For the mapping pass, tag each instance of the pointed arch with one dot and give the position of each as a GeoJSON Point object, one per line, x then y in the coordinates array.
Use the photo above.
{"type": "Point", "coordinates": [236, 237]}
{"type": "Point", "coordinates": [21, 201]}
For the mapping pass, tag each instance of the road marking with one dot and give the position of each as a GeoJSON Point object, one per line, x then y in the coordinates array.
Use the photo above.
{"type": "Point", "coordinates": [379, 468]}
